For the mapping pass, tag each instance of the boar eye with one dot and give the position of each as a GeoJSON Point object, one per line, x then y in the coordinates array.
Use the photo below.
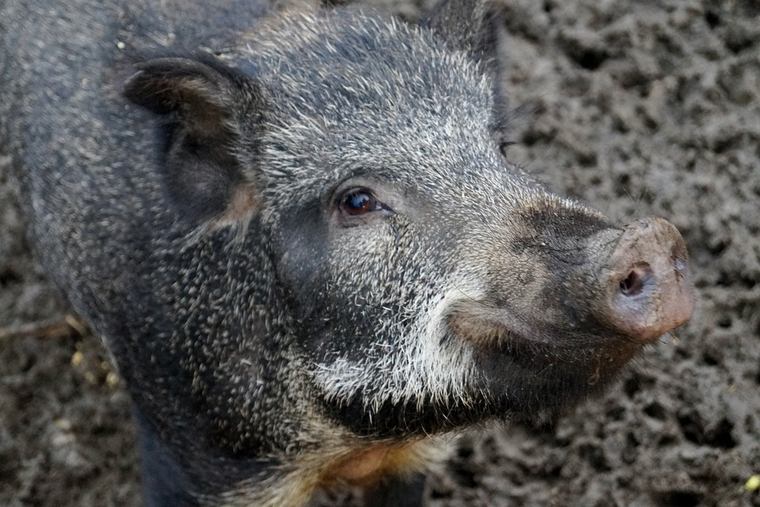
{"type": "Point", "coordinates": [359, 202]}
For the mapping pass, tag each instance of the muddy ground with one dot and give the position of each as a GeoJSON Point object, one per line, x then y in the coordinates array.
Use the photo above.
{"type": "Point", "coordinates": [639, 108]}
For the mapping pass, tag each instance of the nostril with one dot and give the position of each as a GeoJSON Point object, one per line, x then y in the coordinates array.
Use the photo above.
{"type": "Point", "coordinates": [632, 284]}
{"type": "Point", "coordinates": [647, 281]}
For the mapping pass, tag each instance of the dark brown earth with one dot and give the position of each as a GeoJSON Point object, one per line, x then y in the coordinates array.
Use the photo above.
{"type": "Point", "coordinates": [639, 108]}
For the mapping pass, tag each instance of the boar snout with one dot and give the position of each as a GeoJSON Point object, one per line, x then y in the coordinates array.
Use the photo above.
{"type": "Point", "coordinates": [581, 302]}
{"type": "Point", "coordinates": [574, 301]}
{"type": "Point", "coordinates": [648, 289]}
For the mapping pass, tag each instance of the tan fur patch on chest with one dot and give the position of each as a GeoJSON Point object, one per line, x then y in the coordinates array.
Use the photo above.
{"type": "Point", "coordinates": [358, 465]}
{"type": "Point", "coordinates": [368, 465]}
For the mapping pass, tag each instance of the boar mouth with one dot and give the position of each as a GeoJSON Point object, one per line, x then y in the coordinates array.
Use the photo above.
{"type": "Point", "coordinates": [499, 330]}
{"type": "Point", "coordinates": [541, 368]}
{"type": "Point", "coordinates": [499, 333]}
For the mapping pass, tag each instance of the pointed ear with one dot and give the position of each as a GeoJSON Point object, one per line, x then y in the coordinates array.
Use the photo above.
{"type": "Point", "coordinates": [477, 27]}
{"type": "Point", "coordinates": [205, 107]}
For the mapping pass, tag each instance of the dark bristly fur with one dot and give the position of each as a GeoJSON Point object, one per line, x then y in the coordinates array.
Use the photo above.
{"type": "Point", "coordinates": [189, 170]}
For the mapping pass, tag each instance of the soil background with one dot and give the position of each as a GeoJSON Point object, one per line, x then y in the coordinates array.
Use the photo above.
{"type": "Point", "coordinates": [636, 107]}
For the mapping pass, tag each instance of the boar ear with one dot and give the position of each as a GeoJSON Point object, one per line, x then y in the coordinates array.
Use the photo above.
{"type": "Point", "coordinates": [477, 27]}
{"type": "Point", "coordinates": [202, 103]}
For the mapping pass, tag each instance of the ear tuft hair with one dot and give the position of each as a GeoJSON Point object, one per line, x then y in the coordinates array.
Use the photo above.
{"type": "Point", "coordinates": [478, 27]}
